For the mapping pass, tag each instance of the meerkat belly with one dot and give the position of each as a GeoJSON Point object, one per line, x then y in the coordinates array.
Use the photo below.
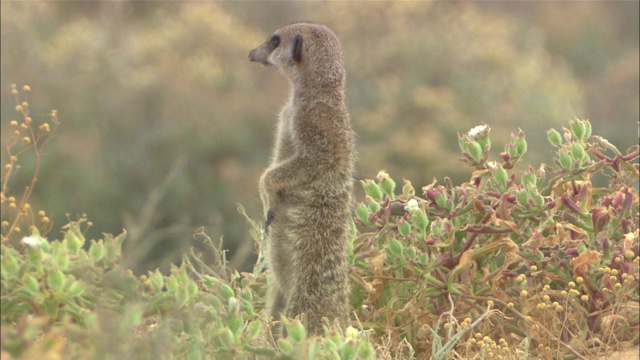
{"type": "Point", "coordinates": [316, 216]}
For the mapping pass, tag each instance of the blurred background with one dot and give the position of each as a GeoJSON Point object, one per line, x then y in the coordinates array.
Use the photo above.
{"type": "Point", "coordinates": [166, 126]}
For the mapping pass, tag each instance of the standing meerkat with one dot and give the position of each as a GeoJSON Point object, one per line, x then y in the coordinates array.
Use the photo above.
{"type": "Point", "coordinates": [307, 190]}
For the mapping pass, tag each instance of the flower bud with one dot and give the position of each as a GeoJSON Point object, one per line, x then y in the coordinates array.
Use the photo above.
{"type": "Point", "coordinates": [374, 206]}
{"type": "Point", "coordinates": [500, 176]}
{"type": "Point", "coordinates": [372, 189]}
{"type": "Point", "coordinates": [172, 283]}
{"type": "Point", "coordinates": [407, 190]}
{"type": "Point", "coordinates": [521, 142]}
{"type": "Point", "coordinates": [587, 127]}
{"type": "Point", "coordinates": [578, 129]}
{"type": "Point", "coordinates": [522, 197]}
{"type": "Point", "coordinates": [157, 281]}
{"type": "Point", "coordinates": [411, 252]}
{"type": "Point", "coordinates": [96, 250]}
{"type": "Point", "coordinates": [404, 228]}
{"type": "Point", "coordinates": [225, 290]}
{"type": "Point", "coordinates": [475, 151]}
{"type": "Point", "coordinates": [420, 220]}
{"type": "Point", "coordinates": [285, 346]}
{"type": "Point", "coordinates": [565, 160]}
{"type": "Point", "coordinates": [538, 200]}
{"type": "Point", "coordinates": [577, 151]}
{"type": "Point", "coordinates": [296, 331]}
{"type": "Point", "coordinates": [387, 184]}
{"type": "Point", "coordinates": [554, 137]}
{"type": "Point", "coordinates": [394, 248]}
{"type": "Point", "coordinates": [362, 212]}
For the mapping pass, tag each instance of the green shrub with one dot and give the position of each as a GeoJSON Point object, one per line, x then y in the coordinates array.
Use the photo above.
{"type": "Point", "coordinates": [508, 265]}
{"type": "Point", "coordinates": [549, 260]}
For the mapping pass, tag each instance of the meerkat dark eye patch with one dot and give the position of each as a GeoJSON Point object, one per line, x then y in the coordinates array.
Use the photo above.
{"type": "Point", "coordinates": [274, 42]}
{"type": "Point", "coordinates": [297, 48]}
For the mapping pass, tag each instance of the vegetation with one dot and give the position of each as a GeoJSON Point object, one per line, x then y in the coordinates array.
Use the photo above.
{"type": "Point", "coordinates": [508, 265]}
{"type": "Point", "coordinates": [167, 125]}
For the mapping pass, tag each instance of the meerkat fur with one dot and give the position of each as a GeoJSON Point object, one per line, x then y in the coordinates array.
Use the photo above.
{"type": "Point", "coordinates": [307, 190]}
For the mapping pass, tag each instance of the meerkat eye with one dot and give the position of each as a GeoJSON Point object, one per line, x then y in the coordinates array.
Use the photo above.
{"type": "Point", "coordinates": [274, 42]}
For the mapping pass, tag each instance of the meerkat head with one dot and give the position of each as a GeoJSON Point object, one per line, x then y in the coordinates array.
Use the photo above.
{"type": "Point", "coordinates": [303, 52]}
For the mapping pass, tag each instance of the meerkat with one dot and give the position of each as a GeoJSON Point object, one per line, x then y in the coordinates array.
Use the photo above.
{"type": "Point", "coordinates": [307, 190]}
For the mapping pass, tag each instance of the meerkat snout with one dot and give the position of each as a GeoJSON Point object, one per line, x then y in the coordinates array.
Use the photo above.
{"type": "Point", "coordinates": [270, 51]}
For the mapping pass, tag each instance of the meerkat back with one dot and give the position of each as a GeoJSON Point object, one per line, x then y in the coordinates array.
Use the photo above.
{"type": "Point", "coordinates": [307, 189]}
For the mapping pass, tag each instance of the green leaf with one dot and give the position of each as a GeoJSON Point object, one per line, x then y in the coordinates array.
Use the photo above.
{"type": "Point", "coordinates": [51, 308]}
{"type": "Point", "coordinates": [182, 296]}
{"type": "Point", "coordinates": [76, 289]}
{"type": "Point", "coordinates": [55, 279]}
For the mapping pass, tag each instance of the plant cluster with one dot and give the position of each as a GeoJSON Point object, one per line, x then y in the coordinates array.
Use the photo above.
{"type": "Point", "coordinates": [27, 136]}
{"type": "Point", "coordinates": [551, 261]}
{"type": "Point", "coordinates": [508, 265]}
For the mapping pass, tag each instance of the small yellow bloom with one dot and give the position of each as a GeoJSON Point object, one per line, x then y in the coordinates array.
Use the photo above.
{"type": "Point", "coordinates": [26, 88]}
{"type": "Point", "coordinates": [26, 140]}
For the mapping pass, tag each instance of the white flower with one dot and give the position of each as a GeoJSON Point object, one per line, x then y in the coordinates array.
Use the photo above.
{"type": "Point", "coordinates": [477, 130]}
{"type": "Point", "coordinates": [412, 205]}
{"type": "Point", "coordinates": [31, 241]}
{"type": "Point", "coordinates": [382, 175]}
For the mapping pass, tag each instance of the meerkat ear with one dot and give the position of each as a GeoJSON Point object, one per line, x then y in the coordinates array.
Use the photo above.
{"type": "Point", "coordinates": [297, 48]}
